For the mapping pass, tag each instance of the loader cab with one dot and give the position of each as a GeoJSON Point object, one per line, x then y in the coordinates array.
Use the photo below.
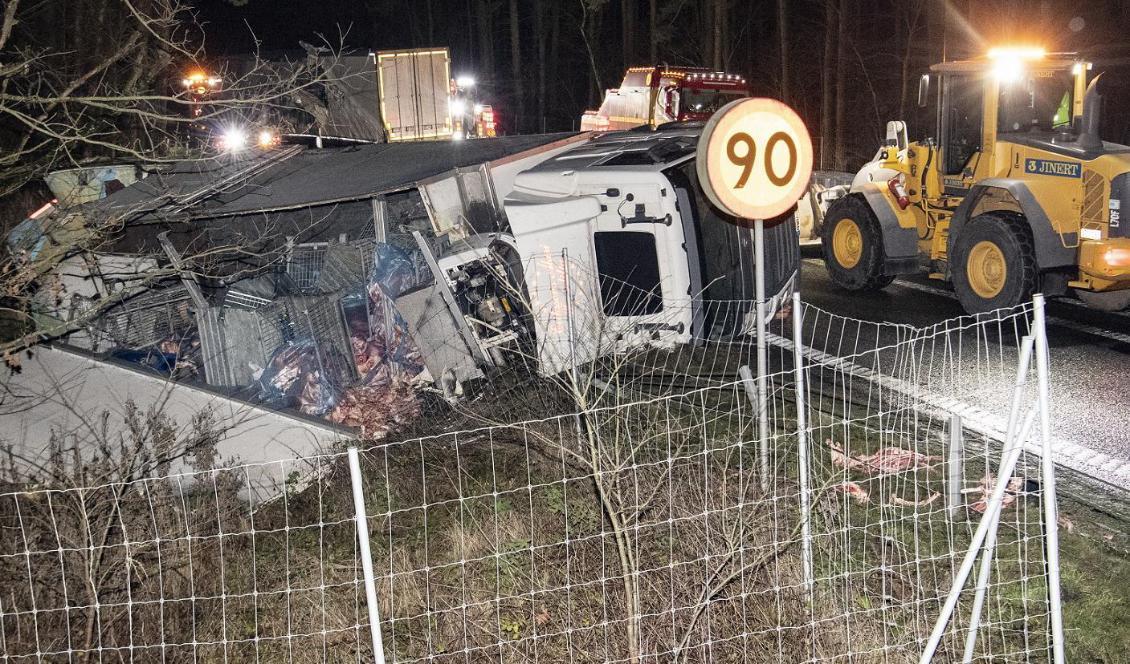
{"type": "Point", "coordinates": [1012, 96]}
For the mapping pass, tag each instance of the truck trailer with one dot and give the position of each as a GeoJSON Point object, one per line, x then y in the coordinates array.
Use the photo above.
{"type": "Point", "coordinates": [414, 87]}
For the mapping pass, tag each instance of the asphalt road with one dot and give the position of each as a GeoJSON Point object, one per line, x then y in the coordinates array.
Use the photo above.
{"type": "Point", "coordinates": [972, 369]}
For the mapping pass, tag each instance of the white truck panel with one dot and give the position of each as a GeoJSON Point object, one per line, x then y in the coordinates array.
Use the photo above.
{"type": "Point", "coordinates": [414, 89]}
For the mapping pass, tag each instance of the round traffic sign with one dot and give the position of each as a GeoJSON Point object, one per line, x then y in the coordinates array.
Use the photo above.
{"type": "Point", "coordinates": [754, 158]}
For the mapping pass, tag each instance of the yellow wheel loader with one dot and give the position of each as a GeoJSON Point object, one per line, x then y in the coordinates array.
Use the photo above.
{"type": "Point", "coordinates": [1016, 194]}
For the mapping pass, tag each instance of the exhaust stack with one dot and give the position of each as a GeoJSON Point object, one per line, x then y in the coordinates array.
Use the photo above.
{"type": "Point", "coordinates": [1092, 112]}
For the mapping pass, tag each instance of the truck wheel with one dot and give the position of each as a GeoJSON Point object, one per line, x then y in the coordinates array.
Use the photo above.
{"type": "Point", "coordinates": [994, 263]}
{"type": "Point", "coordinates": [853, 246]}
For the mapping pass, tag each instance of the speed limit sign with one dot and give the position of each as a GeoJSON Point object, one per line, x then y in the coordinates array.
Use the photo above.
{"type": "Point", "coordinates": [754, 161]}
{"type": "Point", "coordinates": [755, 158]}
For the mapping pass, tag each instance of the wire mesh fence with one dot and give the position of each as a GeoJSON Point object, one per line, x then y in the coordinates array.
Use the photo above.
{"type": "Point", "coordinates": [619, 515]}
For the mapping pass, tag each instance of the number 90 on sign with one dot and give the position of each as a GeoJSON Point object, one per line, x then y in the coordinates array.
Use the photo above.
{"type": "Point", "coordinates": [755, 158]}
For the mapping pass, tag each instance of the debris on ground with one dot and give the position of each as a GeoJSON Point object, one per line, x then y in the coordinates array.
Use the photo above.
{"type": "Point", "coordinates": [985, 488]}
{"type": "Point", "coordinates": [903, 502]}
{"type": "Point", "coordinates": [886, 461]}
{"type": "Point", "coordinates": [856, 491]}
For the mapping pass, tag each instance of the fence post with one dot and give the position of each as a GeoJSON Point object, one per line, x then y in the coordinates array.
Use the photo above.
{"type": "Point", "coordinates": [953, 468]}
{"type": "Point", "coordinates": [762, 352]}
{"type": "Point", "coordinates": [1009, 457]}
{"type": "Point", "coordinates": [802, 446]}
{"type": "Point", "coordinates": [366, 557]}
{"type": "Point", "coordinates": [1051, 522]}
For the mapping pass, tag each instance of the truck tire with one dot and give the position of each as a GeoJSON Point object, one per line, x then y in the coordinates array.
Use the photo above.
{"type": "Point", "coordinates": [853, 245]}
{"type": "Point", "coordinates": [994, 262]}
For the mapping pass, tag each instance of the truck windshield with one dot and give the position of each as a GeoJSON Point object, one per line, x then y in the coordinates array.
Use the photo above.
{"type": "Point", "coordinates": [1039, 101]}
{"type": "Point", "coordinates": [707, 100]}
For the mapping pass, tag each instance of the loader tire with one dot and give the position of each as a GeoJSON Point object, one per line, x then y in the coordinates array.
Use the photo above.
{"type": "Point", "coordinates": [994, 263]}
{"type": "Point", "coordinates": [852, 242]}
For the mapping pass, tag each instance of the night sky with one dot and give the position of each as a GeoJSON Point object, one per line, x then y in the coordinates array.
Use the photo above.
{"type": "Point", "coordinates": [280, 24]}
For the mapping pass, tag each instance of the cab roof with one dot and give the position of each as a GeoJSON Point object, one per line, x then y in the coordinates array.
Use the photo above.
{"type": "Point", "coordinates": [642, 148]}
{"type": "Point", "coordinates": [1053, 61]}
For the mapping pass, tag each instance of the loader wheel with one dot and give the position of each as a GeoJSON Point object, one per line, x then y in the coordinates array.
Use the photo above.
{"type": "Point", "coordinates": [994, 263]}
{"type": "Point", "coordinates": [853, 246]}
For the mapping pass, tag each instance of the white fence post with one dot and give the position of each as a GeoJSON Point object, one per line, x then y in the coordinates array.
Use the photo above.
{"type": "Point", "coordinates": [1010, 455]}
{"type": "Point", "coordinates": [954, 471]}
{"type": "Point", "coordinates": [366, 557]}
{"type": "Point", "coordinates": [802, 446]}
{"type": "Point", "coordinates": [1047, 464]}
{"type": "Point", "coordinates": [762, 352]}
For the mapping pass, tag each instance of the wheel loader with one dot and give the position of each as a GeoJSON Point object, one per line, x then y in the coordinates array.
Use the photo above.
{"type": "Point", "coordinates": [1015, 194]}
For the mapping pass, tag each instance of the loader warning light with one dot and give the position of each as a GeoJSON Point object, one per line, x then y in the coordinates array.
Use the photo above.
{"type": "Point", "coordinates": [1008, 62]}
{"type": "Point", "coordinates": [1016, 53]}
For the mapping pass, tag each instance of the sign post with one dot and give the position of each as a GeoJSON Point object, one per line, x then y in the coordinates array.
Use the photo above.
{"type": "Point", "coordinates": [755, 161]}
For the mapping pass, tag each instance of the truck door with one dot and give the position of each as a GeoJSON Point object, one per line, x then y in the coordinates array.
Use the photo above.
{"type": "Point", "coordinates": [641, 269]}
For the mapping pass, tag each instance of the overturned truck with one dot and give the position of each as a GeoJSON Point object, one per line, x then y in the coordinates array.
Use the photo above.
{"type": "Point", "coordinates": [338, 282]}
{"type": "Point", "coordinates": [607, 247]}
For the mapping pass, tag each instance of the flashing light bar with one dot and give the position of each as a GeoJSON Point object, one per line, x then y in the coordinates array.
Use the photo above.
{"type": "Point", "coordinates": [1017, 53]}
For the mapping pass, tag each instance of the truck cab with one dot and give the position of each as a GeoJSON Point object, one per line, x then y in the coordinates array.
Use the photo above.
{"type": "Point", "coordinates": [1014, 192]}
{"type": "Point", "coordinates": [621, 249]}
{"type": "Point", "coordinates": [654, 95]}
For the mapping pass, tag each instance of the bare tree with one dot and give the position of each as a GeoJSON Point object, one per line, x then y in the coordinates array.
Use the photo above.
{"type": "Point", "coordinates": [120, 96]}
{"type": "Point", "coordinates": [841, 83]}
{"type": "Point", "coordinates": [516, 64]}
{"type": "Point", "coordinates": [591, 11]}
{"type": "Point", "coordinates": [910, 23]}
{"type": "Point", "coordinates": [653, 33]}
{"type": "Point", "coordinates": [783, 46]}
{"type": "Point", "coordinates": [121, 101]}
{"type": "Point", "coordinates": [826, 81]}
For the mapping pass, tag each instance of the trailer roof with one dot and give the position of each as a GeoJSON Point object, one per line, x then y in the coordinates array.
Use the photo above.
{"type": "Point", "coordinates": [293, 177]}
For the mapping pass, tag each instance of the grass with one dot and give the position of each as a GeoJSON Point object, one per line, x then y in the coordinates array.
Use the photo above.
{"type": "Point", "coordinates": [504, 549]}
{"type": "Point", "coordinates": [1095, 582]}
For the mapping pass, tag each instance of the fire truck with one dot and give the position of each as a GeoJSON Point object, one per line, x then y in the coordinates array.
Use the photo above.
{"type": "Point", "coordinates": [654, 95]}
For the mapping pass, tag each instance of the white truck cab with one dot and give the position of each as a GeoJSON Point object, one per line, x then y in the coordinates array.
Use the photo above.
{"type": "Point", "coordinates": [620, 249]}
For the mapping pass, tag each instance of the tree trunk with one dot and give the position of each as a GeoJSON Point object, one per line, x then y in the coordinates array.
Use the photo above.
{"type": "Point", "coordinates": [554, 58]}
{"type": "Point", "coordinates": [841, 83]}
{"type": "Point", "coordinates": [539, 29]}
{"type": "Point", "coordinates": [516, 67]}
{"type": "Point", "coordinates": [485, 21]}
{"type": "Point", "coordinates": [936, 29]}
{"type": "Point", "coordinates": [627, 31]}
{"type": "Point", "coordinates": [783, 41]}
{"type": "Point", "coordinates": [717, 19]}
{"type": "Point", "coordinates": [826, 82]}
{"type": "Point", "coordinates": [653, 51]}
{"type": "Point", "coordinates": [590, 30]}
{"type": "Point", "coordinates": [706, 21]}
{"type": "Point", "coordinates": [910, 23]}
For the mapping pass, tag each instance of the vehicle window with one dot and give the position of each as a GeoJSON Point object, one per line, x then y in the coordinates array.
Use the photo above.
{"type": "Point", "coordinates": [628, 268]}
{"type": "Point", "coordinates": [963, 121]}
{"type": "Point", "coordinates": [706, 101]}
{"type": "Point", "coordinates": [1041, 101]}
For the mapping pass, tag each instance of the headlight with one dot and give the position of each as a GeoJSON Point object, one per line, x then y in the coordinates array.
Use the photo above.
{"type": "Point", "coordinates": [267, 138]}
{"type": "Point", "coordinates": [458, 107]}
{"type": "Point", "coordinates": [234, 139]}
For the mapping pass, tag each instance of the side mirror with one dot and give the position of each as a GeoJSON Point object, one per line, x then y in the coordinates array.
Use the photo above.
{"type": "Point", "coordinates": [923, 91]}
{"type": "Point", "coordinates": [897, 135]}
